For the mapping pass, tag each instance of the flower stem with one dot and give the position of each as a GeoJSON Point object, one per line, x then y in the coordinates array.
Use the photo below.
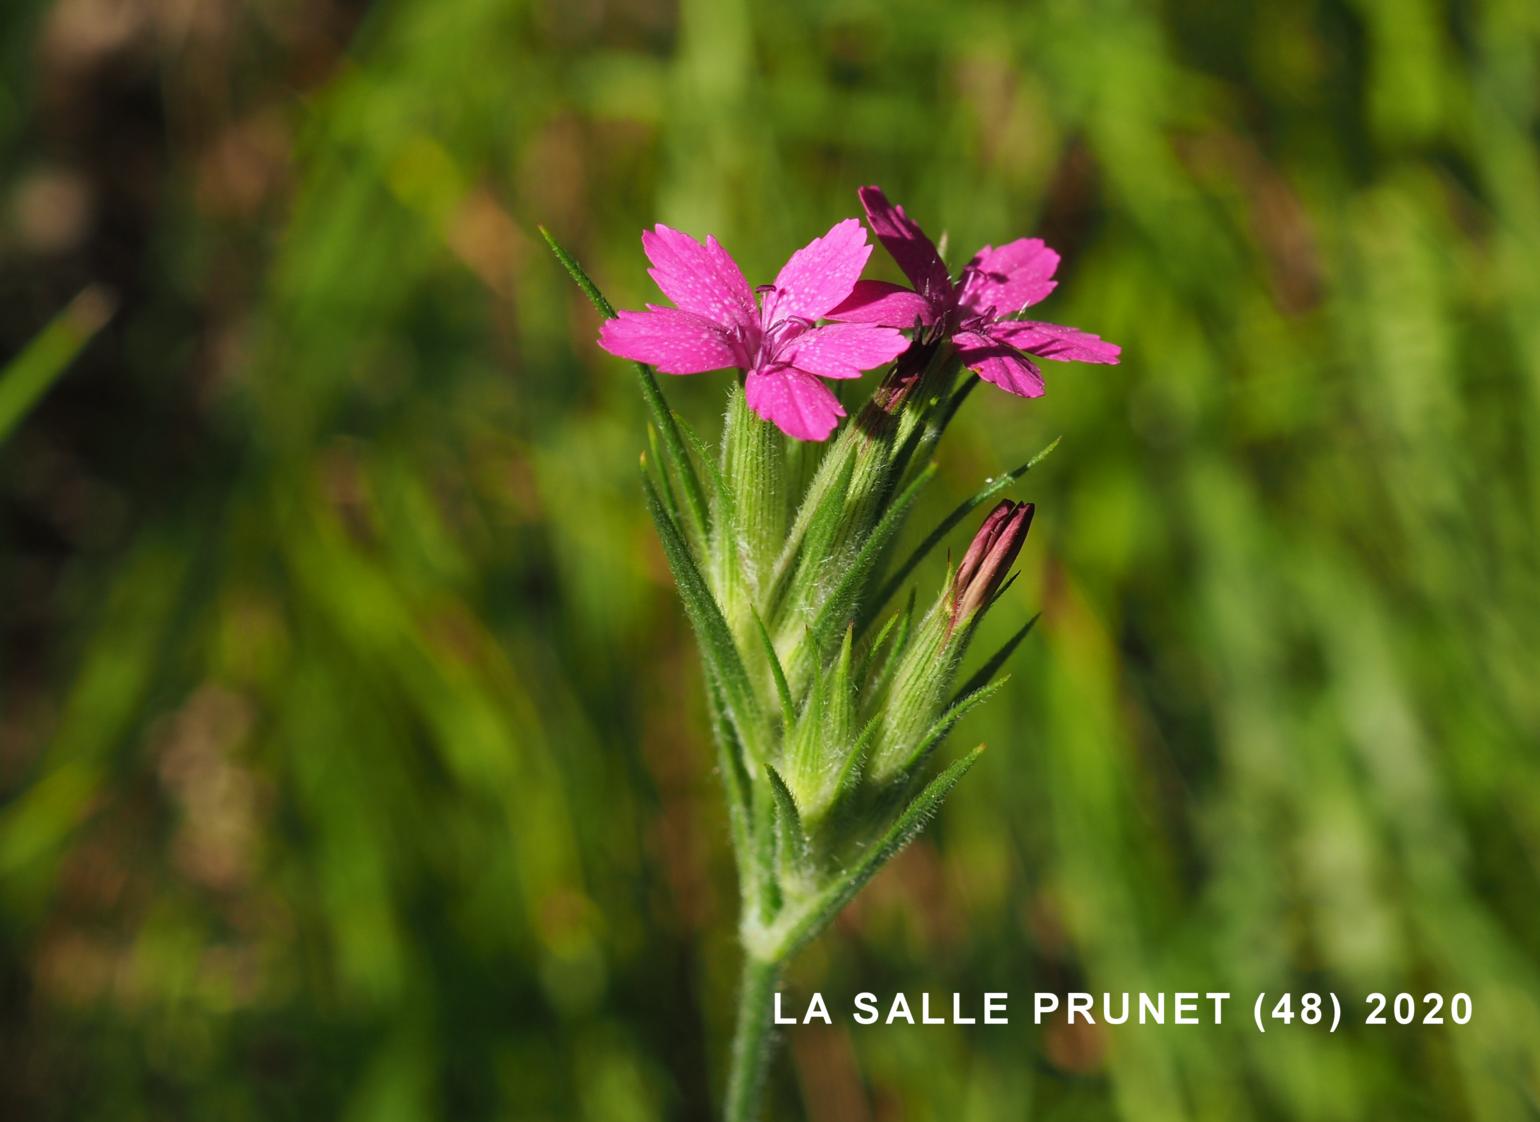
{"type": "Point", "coordinates": [752, 1040]}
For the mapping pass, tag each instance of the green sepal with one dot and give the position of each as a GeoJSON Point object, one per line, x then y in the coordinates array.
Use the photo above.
{"type": "Point", "coordinates": [921, 425]}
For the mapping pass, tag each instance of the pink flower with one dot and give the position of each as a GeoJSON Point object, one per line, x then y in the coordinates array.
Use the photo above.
{"type": "Point", "coordinates": [716, 323]}
{"type": "Point", "coordinates": [996, 284]}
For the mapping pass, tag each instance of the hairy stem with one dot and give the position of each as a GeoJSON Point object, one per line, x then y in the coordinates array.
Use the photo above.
{"type": "Point", "coordinates": [752, 1039]}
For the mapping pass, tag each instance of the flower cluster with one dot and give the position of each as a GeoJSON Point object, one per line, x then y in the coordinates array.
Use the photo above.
{"type": "Point", "coordinates": [828, 703]}
{"type": "Point", "coordinates": [785, 353]}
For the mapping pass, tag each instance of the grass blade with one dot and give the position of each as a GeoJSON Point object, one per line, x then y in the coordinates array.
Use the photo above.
{"type": "Point", "coordinates": [27, 376]}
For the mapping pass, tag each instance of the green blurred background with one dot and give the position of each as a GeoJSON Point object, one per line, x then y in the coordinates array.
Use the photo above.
{"type": "Point", "coordinates": [352, 755]}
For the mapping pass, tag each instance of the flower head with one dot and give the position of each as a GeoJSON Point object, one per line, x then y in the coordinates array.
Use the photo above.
{"type": "Point", "coordinates": [716, 323]}
{"type": "Point", "coordinates": [973, 310]}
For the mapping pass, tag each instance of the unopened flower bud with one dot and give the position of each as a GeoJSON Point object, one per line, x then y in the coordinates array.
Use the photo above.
{"type": "Point", "coordinates": [988, 559]}
{"type": "Point", "coordinates": [918, 696]}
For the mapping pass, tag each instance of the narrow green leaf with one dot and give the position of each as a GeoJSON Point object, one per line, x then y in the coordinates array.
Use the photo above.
{"type": "Point", "coordinates": [678, 461]}
{"type": "Point", "coordinates": [27, 376]}
{"type": "Point", "coordinates": [804, 749]}
{"type": "Point", "coordinates": [812, 919]}
{"type": "Point", "coordinates": [726, 566]}
{"type": "Point", "coordinates": [718, 651]}
{"type": "Point", "coordinates": [767, 888]}
{"type": "Point", "coordinates": [878, 682]}
{"type": "Point", "coordinates": [984, 673]}
{"type": "Point", "coordinates": [735, 780]}
{"type": "Point", "coordinates": [998, 596]}
{"type": "Point", "coordinates": [842, 707]}
{"type": "Point", "coordinates": [783, 691]}
{"type": "Point", "coordinates": [855, 764]}
{"type": "Point", "coordinates": [579, 276]}
{"type": "Point", "coordinates": [791, 841]}
{"type": "Point", "coordinates": [954, 403]}
{"type": "Point", "coordinates": [874, 648]}
{"type": "Point", "coordinates": [670, 503]}
{"type": "Point", "coordinates": [961, 511]}
{"type": "Point", "coordinates": [723, 494]}
{"type": "Point", "coordinates": [944, 723]}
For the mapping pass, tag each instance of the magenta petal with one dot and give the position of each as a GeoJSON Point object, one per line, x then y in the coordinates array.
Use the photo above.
{"type": "Point", "coordinates": [822, 273]}
{"type": "Point", "coordinates": [796, 403]}
{"type": "Point", "coordinates": [890, 305]}
{"type": "Point", "coordinates": [702, 279]}
{"type": "Point", "coordinates": [1050, 340]}
{"type": "Point", "coordinates": [673, 341]}
{"type": "Point", "coordinates": [843, 350]}
{"type": "Point", "coordinates": [1010, 278]}
{"type": "Point", "coordinates": [999, 363]}
{"type": "Point", "coordinates": [902, 237]}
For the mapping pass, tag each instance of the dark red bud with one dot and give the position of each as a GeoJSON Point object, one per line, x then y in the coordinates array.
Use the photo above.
{"type": "Point", "coordinates": [989, 558]}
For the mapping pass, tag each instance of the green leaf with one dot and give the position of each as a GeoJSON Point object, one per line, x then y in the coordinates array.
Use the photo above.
{"type": "Point", "coordinates": [954, 713]}
{"type": "Point", "coordinates": [804, 746]}
{"type": "Point", "coordinates": [984, 673]}
{"type": "Point", "coordinates": [842, 703]}
{"type": "Point", "coordinates": [962, 510]}
{"type": "Point", "coordinates": [812, 918]}
{"type": "Point", "coordinates": [670, 503]}
{"type": "Point", "coordinates": [766, 888]}
{"type": "Point", "coordinates": [27, 376]}
{"type": "Point", "coordinates": [726, 567]}
{"type": "Point", "coordinates": [954, 403]}
{"type": "Point", "coordinates": [678, 461]}
{"type": "Point", "coordinates": [718, 651]}
{"type": "Point", "coordinates": [855, 764]}
{"type": "Point", "coordinates": [783, 691]}
{"type": "Point", "coordinates": [735, 780]}
{"type": "Point", "coordinates": [876, 683]}
{"type": "Point", "coordinates": [791, 841]}
{"type": "Point", "coordinates": [722, 493]}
